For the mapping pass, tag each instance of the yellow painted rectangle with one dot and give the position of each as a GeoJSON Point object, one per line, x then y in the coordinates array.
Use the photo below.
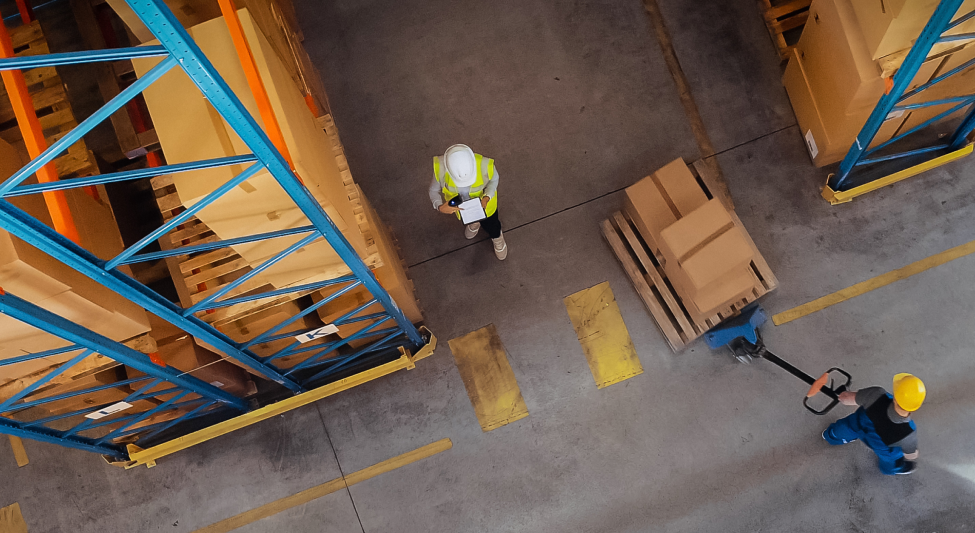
{"type": "Point", "coordinates": [874, 283]}
{"type": "Point", "coordinates": [307, 495]}
{"type": "Point", "coordinates": [20, 454]}
{"type": "Point", "coordinates": [490, 382]}
{"type": "Point", "coordinates": [603, 335]}
{"type": "Point", "coordinates": [11, 521]}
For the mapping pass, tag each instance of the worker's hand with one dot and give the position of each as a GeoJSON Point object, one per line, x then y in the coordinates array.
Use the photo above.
{"type": "Point", "coordinates": [484, 201]}
{"type": "Point", "coordinates": [447, 209]}
{"type": "Point", "coordinates": [848, 397]}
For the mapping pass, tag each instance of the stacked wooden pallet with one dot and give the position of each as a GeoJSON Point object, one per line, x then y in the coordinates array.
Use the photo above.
{"type": "Point", "coordinates": [638, 236]}
{"type": "Point", "coordinates": [50, 99]}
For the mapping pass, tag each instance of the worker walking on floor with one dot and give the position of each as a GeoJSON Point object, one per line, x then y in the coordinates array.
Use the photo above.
{"type": "Point", "coordinates": [461, 175]}
{"type": "Point", "coordinates": [883, 422]}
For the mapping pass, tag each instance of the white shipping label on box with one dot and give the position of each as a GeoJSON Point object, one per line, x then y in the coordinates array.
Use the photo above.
{"type": "Point", "coordinates": [811, 144]}
{"type": "Point", "coordinates": [110, 410]}
{"type": "Point", "coordinates": [309, 336]}
{"type": "Point", "coordinates": [894, 114]}
{"type": "Point", "coordinates": [217, 384]}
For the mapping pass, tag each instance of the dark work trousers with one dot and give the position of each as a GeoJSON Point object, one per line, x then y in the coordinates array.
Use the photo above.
{"type": "Point", "coordinates": [492, 225]}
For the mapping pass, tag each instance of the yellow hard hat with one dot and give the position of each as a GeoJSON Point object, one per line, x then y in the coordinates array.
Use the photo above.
{"type": "Point", "coordinates": [908, 391]}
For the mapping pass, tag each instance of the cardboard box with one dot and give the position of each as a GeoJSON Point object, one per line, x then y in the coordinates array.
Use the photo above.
{"type": "Point", "coordinates": [345, 304]}
{"type": "Point", "coordinates": [840, 71]}
{"type": "Point", "coordinates": [40, 279]}
{"type": "Point", "coordinates": [892, 25]}
{"type": "Point", "coordinates": [260, 204]}
{"type": "Point", "coordinates": [702, 248]}
{"type": "Point", "coordinates": [830, 132]}
{"type": "Point", "coordinates": [185, 355]}
{"type": "Point", "coordinates": [706, 259]}
{"type": "Point", "coordinates": [657, 201]}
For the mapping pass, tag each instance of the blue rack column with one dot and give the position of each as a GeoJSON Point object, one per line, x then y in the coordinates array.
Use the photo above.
{"type": "Point", "coordinates": [45, 409]}
{"type": "Point", "coordinates": [163, 24]}
{"type": "Point", "coordinates": [890, 167]}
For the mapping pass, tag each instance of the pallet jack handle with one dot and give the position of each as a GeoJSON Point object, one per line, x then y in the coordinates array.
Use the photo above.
{"type": "Point", "coordinates": [741, 335]}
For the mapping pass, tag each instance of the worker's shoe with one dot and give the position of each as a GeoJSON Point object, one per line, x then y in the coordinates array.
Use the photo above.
{"type": "Point", "coordinates": [908, 468]}
{"type": "Point", "coordinates": [830, 438]}
{"type": "Point", "coordinates": [470, 231]}
{"type": "Point", "coordinates": [500, 247]}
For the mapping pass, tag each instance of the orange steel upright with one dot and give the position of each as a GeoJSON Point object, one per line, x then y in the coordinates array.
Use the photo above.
{"type": "Point", "coordinates": [30, 128]}
{"type": "Point", "coordinates": [271, 126]}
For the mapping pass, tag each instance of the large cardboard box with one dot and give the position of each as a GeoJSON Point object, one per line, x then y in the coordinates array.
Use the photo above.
{"type": "Point", "coordinates": [658, 200]}
{"type": "Point", "coordinates": [829, 132]}
{"type": "Point", "coordinates": [707, 259]}
{"type": "Point", "coordinates": [841, 72]}
{"type": "Point", "coordinates": [889, 26]}
{"type": "Point", "coordinates": [345, 304]}
{"type": "Point", "coordinates": [185, 355]}
{"type": "Point", "coordinates": [259, 205]}
{"type": "Point", "coordinates": [39, 278]}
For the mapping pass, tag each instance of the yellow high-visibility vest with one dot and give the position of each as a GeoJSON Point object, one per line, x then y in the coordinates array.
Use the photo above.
{"type": "Point", "coordinates": [485, 169]}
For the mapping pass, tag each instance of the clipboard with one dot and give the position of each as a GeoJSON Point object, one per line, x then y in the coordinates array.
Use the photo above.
{"type": "Point", "coordinates": [471, 211]}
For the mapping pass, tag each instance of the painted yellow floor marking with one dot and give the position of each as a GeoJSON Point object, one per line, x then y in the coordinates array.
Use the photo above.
{"type": "Point", "coordinates": [20, 454]}
{"type": "Point", "coordinates": [488, 377]}
{"type": "Point", "coordinates": [874, 283]}
{"type": "Point", "coordinates": [596, 317]}
{"type": "Point", "coordinates": [11, 521]}
{"type": "Point", "coordinates": [324, 489]}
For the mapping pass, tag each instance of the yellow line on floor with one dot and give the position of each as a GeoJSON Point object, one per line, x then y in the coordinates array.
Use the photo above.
{"type": "Point", "coordinates": [488, 378]}
{"type": "Point", "coordinates": [11, 521]}
{"type": "Point", "coordinates": [874, 283]}
{"type": "Point", "coordinates": [20, 454]}
{"type": "Point", "coordinates": [596, 318]}
{"type": "Point", "coordinates": [324, 489]}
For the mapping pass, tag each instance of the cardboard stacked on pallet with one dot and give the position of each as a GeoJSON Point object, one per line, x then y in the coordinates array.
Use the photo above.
{"type": "Point", "coordinates": [837, 72]}
{"type": "Point", "coordinates": [260, 204]}
{"type": "Point", "coordinates": [37, 277]}
{"type": "Point", "coordinates": [705, 255]}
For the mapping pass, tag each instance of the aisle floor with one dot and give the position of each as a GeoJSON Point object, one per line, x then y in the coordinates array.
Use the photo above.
{"type": "Point", "coordinates": [575, 102]}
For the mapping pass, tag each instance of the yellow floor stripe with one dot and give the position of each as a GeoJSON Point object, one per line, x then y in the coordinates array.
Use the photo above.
{"type": "Point", "coordinates": [603, 335]}
{"type": "Point", "coordinates": [20, 454]}
{"type": "Point", "coordinates": [488, 377]}
{"type": "Point", "coordinates": [874, 283]}
{"type": "Point", "coordinates": [324, 489]}
{"type": "Point", "coordinates": [11, 521]}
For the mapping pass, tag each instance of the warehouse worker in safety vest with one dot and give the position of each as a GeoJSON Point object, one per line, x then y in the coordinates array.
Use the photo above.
{"type": "Point", "coordinates": [883, 422]}
{"type": "Point", "coordinates": [463, 175]}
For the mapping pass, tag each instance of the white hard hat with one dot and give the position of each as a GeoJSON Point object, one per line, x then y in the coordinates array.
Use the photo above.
{"type": "Point", "coordinates": [461, 164]}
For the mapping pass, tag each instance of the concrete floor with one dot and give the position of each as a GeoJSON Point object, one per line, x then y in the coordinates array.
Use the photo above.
{"type": "Point", "coordinates": [696, 443]}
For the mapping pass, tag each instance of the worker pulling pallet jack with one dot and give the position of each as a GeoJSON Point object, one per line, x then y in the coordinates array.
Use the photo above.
{"type": "Point", "coordinates": [882, 420]}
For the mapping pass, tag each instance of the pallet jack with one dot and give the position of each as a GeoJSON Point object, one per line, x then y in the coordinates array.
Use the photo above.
{"type": "Point", "coordinates": [741, 335]}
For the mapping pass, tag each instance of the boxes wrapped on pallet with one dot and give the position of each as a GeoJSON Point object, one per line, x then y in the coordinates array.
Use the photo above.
{"type": "Point", "coordinates": [700, 247]}
{"type": "Point", "coordinates": [259, 205]}
{"type": "Point", "coordinates": [707, 259]}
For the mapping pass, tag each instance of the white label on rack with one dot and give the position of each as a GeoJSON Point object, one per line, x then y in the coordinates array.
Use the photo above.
{"type": "Point", "coordinates": [895, 114]}
{"type": "Point", "coordinates": [811, 144]}
{"type": "Point", "coordinates": [309, 336]}
{"type": "Point", "coordinates": [110, 410]}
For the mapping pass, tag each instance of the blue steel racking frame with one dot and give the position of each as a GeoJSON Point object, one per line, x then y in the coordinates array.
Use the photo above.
{"type": "Point", "coordinates": [389, 330]}
{"type": "Point", "coordinates": [893, 166]}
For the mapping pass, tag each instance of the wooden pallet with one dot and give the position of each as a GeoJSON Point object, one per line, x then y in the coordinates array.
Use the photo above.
{"type": "Point", "coordinates": [50, 99]}
{"type": "Point", "coordinates": [780, 17]}
{"type": "Point", "coordinates": [642, 264]}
